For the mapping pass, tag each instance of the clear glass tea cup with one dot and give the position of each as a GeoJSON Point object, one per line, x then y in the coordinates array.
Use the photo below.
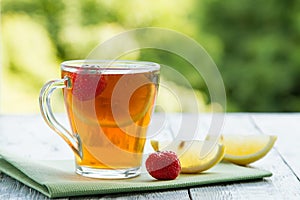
{"type": "Point", "coordinates": [109, 106]}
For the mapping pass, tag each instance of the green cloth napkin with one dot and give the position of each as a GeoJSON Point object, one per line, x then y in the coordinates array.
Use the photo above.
{"type": "Point", "coordinates": [56, 178]}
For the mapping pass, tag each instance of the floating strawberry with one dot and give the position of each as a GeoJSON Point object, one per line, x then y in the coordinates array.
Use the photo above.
{"type": "Point", "coordinates": [163, 165]}
{"type": "Point", "coordinates": [87, 86]}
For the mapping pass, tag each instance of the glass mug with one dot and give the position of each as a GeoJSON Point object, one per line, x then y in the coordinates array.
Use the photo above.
{"type": "Point", "coordinates": [109, 106]}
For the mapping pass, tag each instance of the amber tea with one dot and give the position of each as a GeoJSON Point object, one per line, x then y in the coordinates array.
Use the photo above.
{"type": "Point", "coordinates": [109, 106]}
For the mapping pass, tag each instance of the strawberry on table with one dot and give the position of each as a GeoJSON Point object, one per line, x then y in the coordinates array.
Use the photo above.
{"type": "Point", "coordinates": [163, 165]}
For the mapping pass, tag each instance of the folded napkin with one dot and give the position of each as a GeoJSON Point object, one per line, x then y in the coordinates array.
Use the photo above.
{"type": "Point", "coordinates": [56, 178]}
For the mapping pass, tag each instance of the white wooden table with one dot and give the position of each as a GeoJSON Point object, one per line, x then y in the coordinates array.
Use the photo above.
{"type": "Point", "coordinates": [283, 160]}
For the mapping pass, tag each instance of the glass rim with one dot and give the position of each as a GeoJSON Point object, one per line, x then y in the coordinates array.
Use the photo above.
{"type": "Point", "coordinates": [123, 65]}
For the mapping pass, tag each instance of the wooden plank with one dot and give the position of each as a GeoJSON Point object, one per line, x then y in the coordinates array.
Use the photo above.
{"type": "Point", "coordinates": [30, 132]}
{"type": "Point", "coordinates": [287, 128]}
{"type": "Point", "coordinates": [282, 185]}
{"type": "Point", "coordinates": [158, 195]}
{"type": "Point", "coordinates": [12, 189]}
{"type": "Point", "coordinates": [242, 190]}
{"type": "Point", "coordinates": [50, 146]}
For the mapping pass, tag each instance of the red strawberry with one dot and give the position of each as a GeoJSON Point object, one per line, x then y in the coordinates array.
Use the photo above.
{"type": "Point", "coordinates": [87, 86]}
{"type": "Point", "coordinates": [163, 165]}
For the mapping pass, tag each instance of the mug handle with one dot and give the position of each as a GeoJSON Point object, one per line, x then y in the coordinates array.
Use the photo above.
{"type": "Point", "coordinates": [46, 110]}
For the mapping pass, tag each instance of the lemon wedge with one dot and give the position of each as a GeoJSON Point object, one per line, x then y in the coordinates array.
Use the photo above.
{"type": "Point", "coordinates": [195, 156]}
{"type": "Point", "coordinates": [246, 149]}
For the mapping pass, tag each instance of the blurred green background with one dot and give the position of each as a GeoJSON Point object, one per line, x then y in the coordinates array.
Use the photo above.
{"type": "Point", "coordinates": [255, 44]}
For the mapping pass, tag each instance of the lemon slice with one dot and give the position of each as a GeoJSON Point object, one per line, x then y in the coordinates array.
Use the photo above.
{"type": "Point", "coordinates": [190, 153]}
{"type": "Point", "coordinates": [245, 149]}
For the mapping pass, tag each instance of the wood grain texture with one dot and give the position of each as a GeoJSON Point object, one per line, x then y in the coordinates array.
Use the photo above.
{"type": "Point", "coordinates": [282, 185]}
{"type": "Point", "coordinates": [12, 189]}
{"type": "Point", "coordinates": [287, 128]}
{"type": "Point", "coordinates": [171, 194]}
{"type": "Point", "coordinates": [282, 161]}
